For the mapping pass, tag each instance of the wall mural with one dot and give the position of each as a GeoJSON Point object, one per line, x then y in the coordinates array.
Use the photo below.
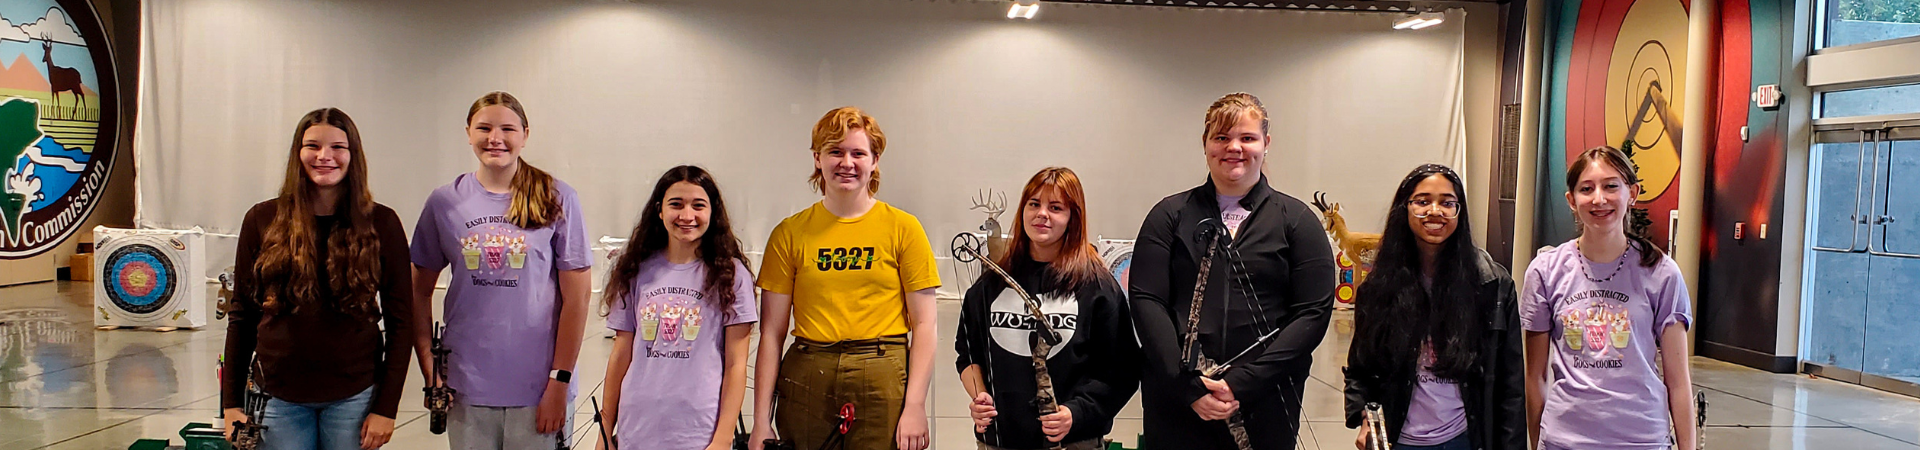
{"type": "Point", "coordinates": [1618, 79]}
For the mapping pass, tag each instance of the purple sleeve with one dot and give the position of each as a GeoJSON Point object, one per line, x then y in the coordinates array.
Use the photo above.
{"type": "Point", "coordinates": [746, 308]}
{"type": "Point", "coordinates": [1536, 301]}
{"type": "Point", "coordinates": [1671, 303]}
{"type": "Point", "coordinates": [570, 250]}
{"type": "Point", "coordinates": [620, 315]}
{"type": "Point", "coordinates": [426, 236]}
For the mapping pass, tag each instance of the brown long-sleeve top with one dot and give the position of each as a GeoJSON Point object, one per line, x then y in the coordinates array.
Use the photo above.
{"type": "Point", "coordinates": [321, 354]}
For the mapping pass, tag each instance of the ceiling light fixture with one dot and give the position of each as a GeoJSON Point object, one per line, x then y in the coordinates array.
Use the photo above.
{"type": "Point", "coordinates": [1023, 9]}
{"type": "Point", "coordinates": [1419, 21]}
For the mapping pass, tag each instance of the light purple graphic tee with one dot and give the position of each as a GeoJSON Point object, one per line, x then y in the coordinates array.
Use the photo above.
{"type": "Point", "coordinates": [1604, 319]}
{"type": "Point", "coordinates": [670, 399]}
{"type": "Point", "coordinates": [502, 307]}
{"type": "Point", "coordinates": [1435, 413]}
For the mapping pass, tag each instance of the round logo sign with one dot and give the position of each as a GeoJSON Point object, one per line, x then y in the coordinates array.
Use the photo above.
{"type": "Point", "coordinates": [58, 121]}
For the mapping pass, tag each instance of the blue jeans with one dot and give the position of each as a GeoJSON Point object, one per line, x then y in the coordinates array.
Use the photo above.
{"type": "Point", "coordinates": [331, 425]}
{"type": "Point", "coordinates": [1461, 442]}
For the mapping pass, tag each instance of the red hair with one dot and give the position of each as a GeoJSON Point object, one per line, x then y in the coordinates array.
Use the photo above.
{"type": "Point", "coordinates": [1078, 263]}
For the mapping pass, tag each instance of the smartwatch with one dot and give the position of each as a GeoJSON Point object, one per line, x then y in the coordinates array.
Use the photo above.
{"type": "Point", "coordinates": [561, 376]}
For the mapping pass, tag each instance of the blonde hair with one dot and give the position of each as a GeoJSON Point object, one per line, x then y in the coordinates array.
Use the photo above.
{"type": "Point", "coordinates": [535, 203]}
{"type": "Point", "coordinates": [833, 128]}
{"type": "Point", "coordinates": [1226, 112]}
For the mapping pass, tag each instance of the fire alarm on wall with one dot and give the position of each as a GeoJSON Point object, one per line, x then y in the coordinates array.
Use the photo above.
{"type": "Point", "coordinates": [1767, 96]}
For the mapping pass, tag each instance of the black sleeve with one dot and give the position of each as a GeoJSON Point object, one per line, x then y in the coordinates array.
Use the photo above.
{"type": "Point", "coordinates": [1363, 382]}
{"type": "Point", "coordinates": [243, 316]}
{"type": "Point", "coordinates": [1115, 373]}
{"type": "Point", "coordinates": [396, 307]}
{"type": "Point", "coordinates": [1359, 389]}
{"type": "Point", "coordinates": [969, 342]}
{"type": "Point", "coordinates": [1309, 297]}
{"type": "Point", "coordinates": [1509, 389]}
{"type": "Point", "coordinates": [1150, 288]}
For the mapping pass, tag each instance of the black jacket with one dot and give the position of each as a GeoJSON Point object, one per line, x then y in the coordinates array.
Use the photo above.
{"type": "Point", "coordinates": [1284, 259]}
{"type": "Point", "coordinates": [1095, 371]}
{"type": "Point", "coordinates": [1496, 401]}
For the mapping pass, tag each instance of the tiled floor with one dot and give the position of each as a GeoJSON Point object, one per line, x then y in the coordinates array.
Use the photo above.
{"type": "Point", "coordinates": [65, 386]}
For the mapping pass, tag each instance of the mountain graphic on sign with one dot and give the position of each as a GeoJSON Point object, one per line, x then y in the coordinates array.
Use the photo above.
{"type": "Point", "coordinates": [22, 75]}
{"type": "Point", "coordinates": [25, 74]}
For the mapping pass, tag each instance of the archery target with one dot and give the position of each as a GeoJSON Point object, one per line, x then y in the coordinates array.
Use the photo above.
{"type": "Point", "coordinates": [139, 279]}
{"type": "Point", "coordinates": [150, 278]}
{"type": "Point", "coordinates": [1118, 256]}
{"type": "Point", "coordinates": [1348, 287]}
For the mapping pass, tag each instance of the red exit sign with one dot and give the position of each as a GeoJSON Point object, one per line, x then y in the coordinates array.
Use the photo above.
{"type": "Point", "coordinates": [1767, 96]}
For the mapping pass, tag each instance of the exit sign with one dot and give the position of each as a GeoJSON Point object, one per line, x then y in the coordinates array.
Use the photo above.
{"type": "Point", "coordinates": [1767, 96]}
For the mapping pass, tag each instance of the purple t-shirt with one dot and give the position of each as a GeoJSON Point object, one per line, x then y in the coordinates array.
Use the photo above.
{"type": "Point", "coordinates": [670, 398]}
{"type": "Point", "coordinates": [1605, 388]}
{"type": "Point", "coordinates": [1231, 213]}
{"type": "Point", "coordinates": [1436, 414]}
{"type": "Point", "coordinates": [502, 308]}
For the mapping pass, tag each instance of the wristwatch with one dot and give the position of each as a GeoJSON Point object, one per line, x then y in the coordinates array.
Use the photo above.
{"type": "Point", "coordinates": [561, 376]}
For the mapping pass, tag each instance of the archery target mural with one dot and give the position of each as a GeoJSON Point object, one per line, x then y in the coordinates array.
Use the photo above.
{"type": "Point", "coordinates": [150, 278]}
{"type": "Point", "coordinates": [1622, 84]}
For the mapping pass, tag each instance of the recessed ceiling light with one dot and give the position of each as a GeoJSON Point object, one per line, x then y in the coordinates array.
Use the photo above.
{"type": "Point", "coordinates": [1420, 21]}
{"type": "Point", "coordinates": [1023, 9]}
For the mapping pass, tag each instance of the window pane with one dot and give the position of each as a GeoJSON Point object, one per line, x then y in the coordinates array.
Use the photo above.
{"type": "Point", "coordinates": [1860, 21]}
{"type": "Point", "coordinates": [1871, 101]}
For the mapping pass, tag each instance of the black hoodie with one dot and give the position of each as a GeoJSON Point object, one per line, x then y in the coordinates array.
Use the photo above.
{"type": "Point", "coordinates": [1095, 369]}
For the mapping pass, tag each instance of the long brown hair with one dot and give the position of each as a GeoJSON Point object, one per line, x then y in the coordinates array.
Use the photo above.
{"type": "Point", "coordinates": [1078, 263]}
{"type": "Point", "coordinates": [535, 202]}
{"type": "Point", "coordinates": [1649, 254]}
{"type": "Point", "coordinates": [718, 248]}
{"type": "Point", "coordinates": [288, 263]}
{"type": "Point", "coordinates": [834, 127]}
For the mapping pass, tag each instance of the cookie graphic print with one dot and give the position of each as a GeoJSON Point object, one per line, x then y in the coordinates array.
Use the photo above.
{"type": "Point", "coordinates": [1597, 328]}
{"type": "Point", "coordinates": [670, 321]}
{"type": "Point", "coordinates": [493, 252]}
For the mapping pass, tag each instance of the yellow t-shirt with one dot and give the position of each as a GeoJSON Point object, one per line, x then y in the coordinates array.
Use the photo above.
{"type": "Point", "coordinates": [848, 277]}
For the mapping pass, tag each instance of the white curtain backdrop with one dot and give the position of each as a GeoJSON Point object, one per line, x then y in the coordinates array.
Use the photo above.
{"type": "Point", "coordinates": [619, 91]}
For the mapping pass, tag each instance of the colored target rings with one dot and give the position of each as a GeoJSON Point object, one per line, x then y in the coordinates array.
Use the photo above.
{"type": "Point", "coordinates": [139, 279]}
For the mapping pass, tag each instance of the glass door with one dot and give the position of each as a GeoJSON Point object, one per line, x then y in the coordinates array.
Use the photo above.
{"type": "Point", "coordinates": [1863, 288]}
{"type": "Point", "coordinates": [1837, 292]}
{"type": "Point", "coordinates": [1893, 253]}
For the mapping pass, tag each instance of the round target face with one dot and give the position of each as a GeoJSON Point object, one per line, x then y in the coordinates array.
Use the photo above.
{"type": "Point", "coordinates": [138, 279]}
{"type": "Point", "coordinates": [1122, 267]}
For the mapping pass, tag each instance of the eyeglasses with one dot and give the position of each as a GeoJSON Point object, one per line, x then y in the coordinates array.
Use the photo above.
{"type": "Point", "coordinates": [1422, 208]}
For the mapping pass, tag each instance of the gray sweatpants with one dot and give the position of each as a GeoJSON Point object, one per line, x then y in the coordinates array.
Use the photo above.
{"type": "Point", "coordinates": [472, 427]}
